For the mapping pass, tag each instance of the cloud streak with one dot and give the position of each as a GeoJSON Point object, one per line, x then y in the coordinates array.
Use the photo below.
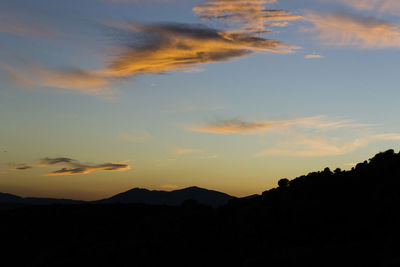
{"type": "Point", "coordinates": [32, 75]}
{"type": "Point", "coordinates": [85, 169]}
{"type": "Point", "coordinates": [381, 6]}
{"type": "Point", "coordinates": [75, 167]}
{"type": "Point", "coordinates": [342, 29]}
{"type": "Point", "coordinates": [321, 146]}
{"type": "Point", "coordinates": [169, 186]}
{"type": "Point", "coordinates": [302, 137]}
{"type": "Point", "coordinates": [18, 24]}
{"type": "Point", "coordinates": [240, 126]}
{"type": "Point", "coordinates": [249, 16]}
{"type": "Point", "coordinates": [22, 167]}
{"type": "Point", "coordinates": [139, 1]}
{"type": "Point", "coordinates": [313, 56]}
{"type": "Point", "coordinates": [52, 161]}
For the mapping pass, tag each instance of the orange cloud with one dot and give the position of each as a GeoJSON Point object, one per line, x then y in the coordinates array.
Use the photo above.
{"type": "Point", "coordinates": [251, 15]}
{"type": "Point", "coordinates": [313, 56]}
{"type": "Point", "coordinates": [234, 126]}
{"type": "Point", "coordinates": [170, 47]}
{"type": "Point", "coordinates": [341, 29]}
{"type": "Point", "coordinates": [181, 47]}
{"type": "Point", "coordinates": [239, 126]}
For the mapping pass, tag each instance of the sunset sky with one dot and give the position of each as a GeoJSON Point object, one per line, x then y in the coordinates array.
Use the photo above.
{"type": "Point", "coordinates": [101, 96]}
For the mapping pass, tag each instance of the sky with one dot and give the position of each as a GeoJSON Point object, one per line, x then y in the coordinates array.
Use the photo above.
{"type": "Point", "coordinates": [101, 96]}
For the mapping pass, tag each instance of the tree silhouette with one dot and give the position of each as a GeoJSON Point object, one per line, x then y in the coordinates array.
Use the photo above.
{"type": "Point", "coordinates": [283, 182]}
{"type": "Point", "coordinates": [337, 171]}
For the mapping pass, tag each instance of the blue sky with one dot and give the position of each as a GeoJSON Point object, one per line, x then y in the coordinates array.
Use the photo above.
{"type": "Point", "coordinates": [169, 94]}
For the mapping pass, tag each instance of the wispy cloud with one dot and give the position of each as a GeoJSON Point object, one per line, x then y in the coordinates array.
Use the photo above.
{"type": "Point", "coordinates": [307, 146]}
{"type": "Point", "coordinates": [249, 16]}
{"type": "Point", "coordinates": [240, 126]}
{"type": "Point", "coordinates": [52, 161]}
{"type": "Point", "coordinates": [313, 56]}
{"type": "Point", "coordinates": [305, 137]}
{"type": "Point", "coordinates": [233, 126]}
{"type": "Point", "coordinates": [210, 157]}
{"type": "Point", "coordinates": [185, 151]}
{"type": "Point", "coordinates": [191, 107]}
{"type": "Point", "coordinates": [140, 1]}
{"type": "Point", "coordinates": [381, 6]}
{"type": "Point", "coordinates": [85, 169]}
{"type": "Point", "coordinates": [164, 47]}
{"type": "Point", "coordinates": [342, 29]}
{"type": "Point", "coordinates": [18, 24]}
{"type": "Point", "coordinates": [75, 167]}
{"type": "Point", "coordinates": [169, 186]}
{"type": "Point", "coordinates": [31, 75]}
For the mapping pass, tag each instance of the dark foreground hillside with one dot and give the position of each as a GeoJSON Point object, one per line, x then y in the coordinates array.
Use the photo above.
{"type": "Point", "coordinates": [326, 218]}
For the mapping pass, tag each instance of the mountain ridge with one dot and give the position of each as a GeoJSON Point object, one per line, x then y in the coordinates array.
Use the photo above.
{"type": "Point", "coordinates": [134, 195]}
{"type": "Point", "coordinates": [175, 197]}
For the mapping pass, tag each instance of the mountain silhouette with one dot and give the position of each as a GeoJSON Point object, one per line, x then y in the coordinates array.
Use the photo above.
{"type": "Point", "coordinates": [173, 198]}
{"type": "Point", "coordinates": [6, 198]}
{"type": "Point", "coordinates": [9, 198]}
{"type": "Point", "coordinates": [136, 195]}
{"type": "Point", "coordinates": [322, 219]}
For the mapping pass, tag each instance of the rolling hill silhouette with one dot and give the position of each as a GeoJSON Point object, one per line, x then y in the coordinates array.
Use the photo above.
{"type": "Point", "coordinates": [322, 219]}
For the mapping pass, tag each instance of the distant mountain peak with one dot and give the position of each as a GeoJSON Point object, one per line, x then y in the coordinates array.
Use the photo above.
{"type": "Point", "coordinates": [176, 197]}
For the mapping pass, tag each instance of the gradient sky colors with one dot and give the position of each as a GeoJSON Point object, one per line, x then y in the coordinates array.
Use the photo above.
{"type": "Point", "coordinates": [100, 96]}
